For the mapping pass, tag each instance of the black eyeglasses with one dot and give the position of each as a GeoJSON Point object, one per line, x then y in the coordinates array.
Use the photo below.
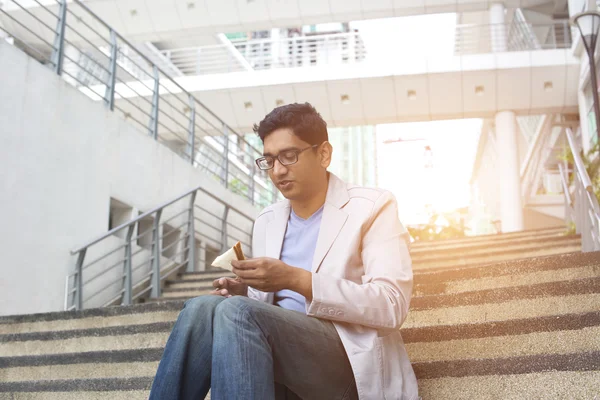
{"type": "Point", "coordinates": [287, 157]}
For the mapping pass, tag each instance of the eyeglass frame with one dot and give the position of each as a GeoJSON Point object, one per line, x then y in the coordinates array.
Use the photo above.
{"type": "Point", "coordinates": [295, 151]}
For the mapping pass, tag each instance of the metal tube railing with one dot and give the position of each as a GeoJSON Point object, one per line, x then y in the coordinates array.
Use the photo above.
{"type": "Point", "coordinates": [107, 67]}
{"type": "Point", "coordinates": [584, 207]}
{"type": "Point", "coordinates": [184, 247]}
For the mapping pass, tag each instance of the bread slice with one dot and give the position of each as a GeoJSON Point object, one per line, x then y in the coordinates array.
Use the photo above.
{"type": "Point", "coordinates": [225, 259]}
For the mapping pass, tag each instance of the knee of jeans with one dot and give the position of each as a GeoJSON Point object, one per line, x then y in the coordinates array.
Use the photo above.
{"type": "Point", "coordinates": [202, 304]}
{"type": "Point", "coordinates": [229, 308]}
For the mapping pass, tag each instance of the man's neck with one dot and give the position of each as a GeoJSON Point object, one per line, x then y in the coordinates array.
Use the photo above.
{"type": "Point", "coordinates": [306, 207]}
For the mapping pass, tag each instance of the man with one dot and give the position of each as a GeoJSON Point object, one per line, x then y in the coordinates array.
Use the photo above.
{"type": "Point", "coordinates": [333, 279]}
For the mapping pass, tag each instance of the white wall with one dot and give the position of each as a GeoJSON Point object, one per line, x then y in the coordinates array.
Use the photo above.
{"type": "Point", "coordinates": [62, 157]}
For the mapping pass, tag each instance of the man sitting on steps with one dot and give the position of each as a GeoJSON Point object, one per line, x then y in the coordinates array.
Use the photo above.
{"type": "Point", "coordinates": [333, 279]}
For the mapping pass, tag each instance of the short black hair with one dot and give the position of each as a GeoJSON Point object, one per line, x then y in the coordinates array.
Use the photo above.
{"type": "Point", "coordinates": [302, 119]}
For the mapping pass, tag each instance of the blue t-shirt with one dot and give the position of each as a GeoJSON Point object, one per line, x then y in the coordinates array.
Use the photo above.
{"type": "Point", "coordinates": [298, 250]}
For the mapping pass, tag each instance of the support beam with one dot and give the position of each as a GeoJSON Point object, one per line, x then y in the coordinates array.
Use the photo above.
{"type": "Point", "coordinates": [511, 203]}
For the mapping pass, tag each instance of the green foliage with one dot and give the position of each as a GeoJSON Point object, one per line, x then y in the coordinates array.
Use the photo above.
{"type": "Point", "coordinates": [238, 187]}
{"type": "Point", "coordinates": [591, 161]}
{"type": "Point", "coordinates": [435, 231]}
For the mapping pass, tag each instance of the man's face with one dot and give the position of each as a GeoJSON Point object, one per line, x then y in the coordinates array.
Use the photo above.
{"type": "Point", "coordinates": [293, 181]}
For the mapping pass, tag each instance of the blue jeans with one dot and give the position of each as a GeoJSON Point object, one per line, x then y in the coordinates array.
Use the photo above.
{"type": "Point", "coordinates": [244, 349]}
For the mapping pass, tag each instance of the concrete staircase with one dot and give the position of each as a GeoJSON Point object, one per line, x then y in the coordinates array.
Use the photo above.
{"type": "Point", "coordinates": [525, 327]}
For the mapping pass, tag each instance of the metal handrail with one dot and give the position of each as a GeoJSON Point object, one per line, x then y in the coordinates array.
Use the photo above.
{"type": "Point", "coordinates": [107, 67]}
{"type": "Point", "coordinates": [183, 247]}
{"type": "Point", "coordinates": [584, 208]}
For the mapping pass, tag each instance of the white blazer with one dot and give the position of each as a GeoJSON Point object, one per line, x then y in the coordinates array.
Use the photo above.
{"type": "Point", "coordinates": [362, 282]}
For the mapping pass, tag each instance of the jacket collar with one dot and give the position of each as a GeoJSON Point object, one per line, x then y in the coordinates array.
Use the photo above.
{"type": "Point", "coordinates": [332, 222]}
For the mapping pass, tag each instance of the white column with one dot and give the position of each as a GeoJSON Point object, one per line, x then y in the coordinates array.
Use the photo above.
{"type": "Point", "coordinates": [498, 27]}
{"type": "Point", "coordinates": [511, 205]}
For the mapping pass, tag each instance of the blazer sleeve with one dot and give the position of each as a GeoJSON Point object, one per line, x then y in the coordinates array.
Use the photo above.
{"type": "Point", "coordinates": [258, 243]}
{"type": "Point", "coordinates": [383, 299]}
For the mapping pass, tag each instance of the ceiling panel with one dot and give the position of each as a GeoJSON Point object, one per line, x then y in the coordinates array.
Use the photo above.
{"type": "Point", "coordinates": [445, 94]}
{"type": "Point", "coordinates": [317, 95]}
{"type": "Point", "coordinates": [378, 98]}
{"type": "Point", "coordinates": [281, 11]}
{"type": "Point", "coordinates": [136, 17]}
{"type": "Point", "coordinates": [473, 5]}
{"type": "Point", "coordinates": [377, 8]}
{"type": "Point", "coordinates": [440, 6]}
{"type": "Point", "coordinates": [417, 106]}
{"type": "Point", "coordinates": [351, 112]}
{"type": "Point", "coordinates": [314, 11]}
{"type": "Point", "coordinates": [194, 17]}
{"type": "Point", "coordinates": [271, 94]}
{"type": "Point", "coordinates": [409, 7]}
{"type": "Point", "coordinates": [346, 10]}
{"type": "Point", "coordinates": [254, 15]}
{"type": "Point", "coordinates": [219, 102]}
{"type": "Point", "coordinates": [513, 89]}
{"type": "Point", "coordinates": [165, 14]}
{"type": "Point", "coordinates": [474, 102]}
{"type": "Point", "coordinates": [109, 12]}
{"type": "Point", "coordinates": [248, 117]}
{"type": "Point", "coordinates": [223, 12]}
{"type": "Point", "coordinates": [548, 98]}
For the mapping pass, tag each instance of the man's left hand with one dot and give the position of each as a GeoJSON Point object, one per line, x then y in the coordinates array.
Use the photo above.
{"type": "Point", "coordinates": [265, 274]}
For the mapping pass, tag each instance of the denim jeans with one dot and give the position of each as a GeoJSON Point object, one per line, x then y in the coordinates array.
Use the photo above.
{"type": "Point", "coordinates": [243, 349]}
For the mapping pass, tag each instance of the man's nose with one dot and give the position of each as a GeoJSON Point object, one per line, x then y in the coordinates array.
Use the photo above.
{"type": "Point", "coordinates": [278, 168]}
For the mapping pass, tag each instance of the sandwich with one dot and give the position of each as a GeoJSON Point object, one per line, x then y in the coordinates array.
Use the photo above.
{"type": "Point", "coordinates": [225, 259]}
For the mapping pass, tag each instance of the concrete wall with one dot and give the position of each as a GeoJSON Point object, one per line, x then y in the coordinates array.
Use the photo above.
{"type": "Point", "coordinates": [62, 158]}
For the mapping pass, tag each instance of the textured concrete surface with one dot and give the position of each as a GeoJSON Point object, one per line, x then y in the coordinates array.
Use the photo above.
{"type": "Point", "coordinates": [577, 385]}
{"type": "Point", "coordinates": [518, 279]}
{"type": "Point", "coordinates": [114, 395]}
{"type": "Point", "coordinates": [557, 342]}
{"type": "Point", "coordinates": [490, 239]}
{"type": "Point", "coordinates": [92, 322]}
{"type": "Point", "coordinates": [516, 246]}
{"type": "Point", "coordinates": [79, 371]}
{"type": "Point", "coordinates": [495, 257]}
{"type": "Point", "coordinates": [36, 347]}
{"type": "Point", "coordinates": [184, 293]}
{"type": "Point", "coordinates": [501, 328]}
{"type": "Point", "coordinates": [517, 309]}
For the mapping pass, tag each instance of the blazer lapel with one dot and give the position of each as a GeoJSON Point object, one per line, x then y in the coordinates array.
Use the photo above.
{"type": "Point", "coordinates": [276, 231]}
{"type": "Point", "coordinates": [331, 224]}
{"type": "Point", "coordinates": [333, 219]}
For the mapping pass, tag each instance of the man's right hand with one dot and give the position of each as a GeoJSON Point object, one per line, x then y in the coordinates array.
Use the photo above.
{"type": "Point", "coordinates": [228, 287]}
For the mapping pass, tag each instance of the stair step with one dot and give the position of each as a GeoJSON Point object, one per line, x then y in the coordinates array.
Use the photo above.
{"type": "Point", "coordinates": [187, 293]}
{"type": "Point", "coordinates": [204, 276]}
{"type": "Point", "coordinates": [470, 285]}
{"type": "Point", "coordinates": [492, 238]}
{"type": "Point", "coordinates": [520, 246]}
{"type": "Point", "coordinates": [189, 284]}
{"type": "Point", "coordinates": [540, 385]}
{"type": "Point", "coordinates": [92, 318]}
{"type": "Point", "coordinates": [539, 290]}
{"type": "Point", "coordinates": [494, 257]}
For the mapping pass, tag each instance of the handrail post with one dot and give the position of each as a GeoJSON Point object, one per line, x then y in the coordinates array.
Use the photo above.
{"type": "Point", "coordinates": [156, 288]}
{"type": "Point", "coordinates": [58, 52]}
{"type": "Point", "coordinates": [226, 156]}
{"type": "Point", "coordinates": [224, 236]}
{"type": "Point", "coordinates": [153, 128]}
{"type": "Point", "coordinates": [109, 96]}
{"type": "Point", "coordinates": [192, 130]}
{"type": "Point", "coordinates": [78, 296]}
{"type": "Point", "coordinates": [127, 278]}
{"type": "Point", "coordinates": [191, 252]}
{"type": "Point", "coordinates": [252, 183]}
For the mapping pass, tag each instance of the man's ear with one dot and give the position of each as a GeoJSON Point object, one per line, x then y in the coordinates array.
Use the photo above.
{"type": "Point", "coordinates": [325, 152]}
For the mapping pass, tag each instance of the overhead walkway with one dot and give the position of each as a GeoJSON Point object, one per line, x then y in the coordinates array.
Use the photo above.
{"type": "Point", "coordinates": [155, 20]}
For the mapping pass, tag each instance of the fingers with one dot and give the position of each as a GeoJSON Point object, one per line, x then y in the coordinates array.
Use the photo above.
{"type": "Point", "coordinates": [220, 283]}
{"type": "Point", "coordinates": [221, 292]}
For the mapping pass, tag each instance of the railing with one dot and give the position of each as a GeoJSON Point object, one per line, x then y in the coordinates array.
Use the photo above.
{"type": "Point", "coordinates": [516, 36]}
{"type": "Point", "coordinates": [582, 207]}
{"type": "Point", "coordinates": [132, 261]}
{"type": "Point", "coordinates": [258, 54]}
{"type": "Point", "coordinates": [91, 56]}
